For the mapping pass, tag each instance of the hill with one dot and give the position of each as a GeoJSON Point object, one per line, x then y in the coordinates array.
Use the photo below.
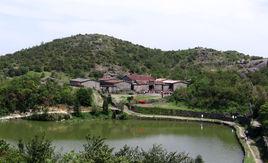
{"type": "Point", "coordinates": [93, 55]}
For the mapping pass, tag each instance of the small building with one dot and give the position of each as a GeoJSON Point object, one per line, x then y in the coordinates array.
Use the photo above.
{"type": "Point", "coordinates": [159, 85]}
{"type": "Point", "coordinates": [140, 83]}
{"type": "Point", "coordinates": [113, 85]}
{"type": "Point", "coordinates": [141, 86]}
{"type": "Point", "coordinates": [167, 85]}
{"type": "Point", "coordinates": [87, 83]}
{"type": "Point", "coordinates": [172, 85]}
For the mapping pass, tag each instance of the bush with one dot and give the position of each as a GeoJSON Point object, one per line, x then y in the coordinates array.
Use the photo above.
{"type": "Point", "coordinates": [94, 109]}
{"type": "Point", "coordinates": [38, 150]}
{"type": "Point", "coordinates": [96, 150]}
{"type": "Point", "coordinates": [83, 96]}
{"type": "Point", "coordinates": [49, 117]}
{"type": "Point", "coordinates": [155, 154]}
{"type": "Point", "coordinates": [123, 116]}
{"type": "Point", "coordinates": [105, 106]}
{"type": "Point", "coordinates": [4, 147]}
{"type": "Point", "coordinates": [263, 116]}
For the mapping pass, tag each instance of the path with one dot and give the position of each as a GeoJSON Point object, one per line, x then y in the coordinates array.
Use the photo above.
{"type": "Point", "coordinates": [241, 135]}
{"type": "Point", "coordinates": [19, 116]}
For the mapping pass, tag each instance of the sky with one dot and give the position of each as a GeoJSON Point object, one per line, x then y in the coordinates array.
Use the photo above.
{"type": "Point", "coordinates": [240, 25]}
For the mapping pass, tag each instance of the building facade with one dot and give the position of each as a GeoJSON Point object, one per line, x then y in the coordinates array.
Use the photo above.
{"type": "Point", "coordinates": [114, 86]}
{"type": "Point", "coordinates": [87, 83]}
{"type": "Point", "coordinates": [140, 83]}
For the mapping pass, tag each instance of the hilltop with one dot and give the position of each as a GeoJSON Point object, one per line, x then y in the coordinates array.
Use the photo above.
{"type": "Point", "coordinates": [93, 55]}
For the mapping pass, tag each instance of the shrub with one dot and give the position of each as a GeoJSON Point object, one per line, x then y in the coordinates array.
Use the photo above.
{"type": "Point", "coordinates": [38, 150]}
{"type": "Point", "coordinates": [96, 150]}
{"type": "Point", "coordinates": [4, 147]}
{"type": "Point", "coordinates": [49, 117]}
{"type": "Point", "coordinates": [83, 96]}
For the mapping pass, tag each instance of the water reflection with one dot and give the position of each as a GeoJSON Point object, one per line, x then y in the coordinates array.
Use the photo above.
{"type": "Point", "coordinates": [216, 143]}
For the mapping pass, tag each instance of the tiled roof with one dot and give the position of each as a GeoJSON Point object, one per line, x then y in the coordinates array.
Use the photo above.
{"type": "Point", "coordinates": [142, 82]}
{"type": "Point", "coordinates": [80, 80]}
{"type": "Point", "coordinates": [107, 78]}
{"type": "Point", "coordinates": [171, 81]}
{"type": "Point", "coordinates": [136, 77]}
{"type": "Point", "coordinates": [159, 81]}
{"type": "Point", "coordinates": [113, 81]}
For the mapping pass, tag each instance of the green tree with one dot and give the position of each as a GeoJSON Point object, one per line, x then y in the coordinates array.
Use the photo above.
{"type": "Point", "coordinates": [224, 91]}
{"type": "Point", "coordinates": [83, 96]}
{"type": "Point", "coordinates": [4, 147]}
{"type": "Point", "coordinates": [77, 109]}
{"type": "Point", "coordinates": [259, 96]}
{"type": "Point", "coordinates": [263, 116]}
{"type": "Point", "coordinates": [199, 159]}
{"type": "Point", "coordinates": [95, 150]}
{"type": "Point", "coordinates": [105, 105]}
{"type": "Point", "coordinates": [38, 150]}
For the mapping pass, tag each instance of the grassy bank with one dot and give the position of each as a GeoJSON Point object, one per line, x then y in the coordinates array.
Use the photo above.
{"type": "Point", "coordinates": [248, 158]}
{"type": "Point", "coordinates": [170, 105]}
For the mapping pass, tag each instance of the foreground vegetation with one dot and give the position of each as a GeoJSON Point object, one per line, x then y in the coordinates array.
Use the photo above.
{"type": "Point", "coordinates": [40, 150]}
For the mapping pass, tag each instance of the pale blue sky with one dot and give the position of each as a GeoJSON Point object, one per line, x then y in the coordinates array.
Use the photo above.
{"type": "Point", "coordinates": [240, 25]}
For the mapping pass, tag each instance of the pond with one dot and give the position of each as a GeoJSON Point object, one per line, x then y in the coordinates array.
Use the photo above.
{"type": "Point", "coordinates": [215, 143]}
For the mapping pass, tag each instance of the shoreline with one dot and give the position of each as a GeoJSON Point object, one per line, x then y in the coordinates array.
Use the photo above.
{"type": "Point", "coordinates": [25, 115]}
{"type": "Point", "coordinates": [240, 135]}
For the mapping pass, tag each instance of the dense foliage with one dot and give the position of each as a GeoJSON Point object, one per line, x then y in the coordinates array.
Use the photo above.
{"type": "Point", "coordinates": [92, 55]}
{"type": "Point", "coordinates": [28, 93]}
{"type": "Point", "coordinates": [40, 150]}
{"type": "Point", "coordinates": [221, 90]}
{"type": "Point", "coordinates": [83, 96]}
{"type": "Point", "coordinates": [263, 115]}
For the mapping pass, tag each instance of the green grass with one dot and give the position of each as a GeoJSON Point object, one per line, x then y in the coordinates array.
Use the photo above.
{"type": "Point", "coordinates": [123, 97]}
{"type": "Point", "coordinates": [146, 97]}
{"type": "Point", "coordinates": [249, 159]}
{"type": "Point", "coordinates": [88, 116]}
{"type": "Point", "coordinates": [171, 105]}
{"type": "Point", "coordinates": [96, 98]}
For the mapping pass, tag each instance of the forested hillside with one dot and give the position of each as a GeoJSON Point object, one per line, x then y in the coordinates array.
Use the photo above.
{"type": "Point", "coordinates": [94, 55]}
{"type": "Point", "coordinates": [223, 82]}
{"type": "Point", "coordinates": [226, 81]}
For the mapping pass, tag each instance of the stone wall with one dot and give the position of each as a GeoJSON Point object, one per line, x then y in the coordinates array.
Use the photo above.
{"type": "Point", "coordinates": [91, 84]}
{"type": "Point", "coordinates": [179, 85]}
{"type": "Point", "coordinates": [123, 86]}
{"type": "Point", "coordinates": [158, 88]}
{"type": "Point", "coordinates": [186, 113]}
{"type": "Point", "coordinates": [166, 88]}
{"type": "Point", "coordinates": [141, 88]}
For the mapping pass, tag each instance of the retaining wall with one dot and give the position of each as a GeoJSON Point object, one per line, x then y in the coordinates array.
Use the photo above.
{"type": "Point", "coordinates": [186, 113]}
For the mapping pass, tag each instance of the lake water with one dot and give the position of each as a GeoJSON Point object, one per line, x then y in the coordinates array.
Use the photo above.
{"type": "Point", "coordinates": [215, 143]}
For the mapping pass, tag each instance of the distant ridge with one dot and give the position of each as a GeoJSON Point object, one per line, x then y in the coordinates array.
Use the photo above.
{"type": "Point", "coordinates": [94, 55]}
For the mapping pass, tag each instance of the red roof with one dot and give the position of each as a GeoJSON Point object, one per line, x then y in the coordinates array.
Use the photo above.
{"type": "Point", "coordinates": [136, 77]}
{"type": "Point", "coordinates": [159, 82]}
{"type": "Point", "coordinates": [113, 81]}
{"type": "Point", "coordinates": [106, 78]}
{"type": "Point", "coordinates": [142, 82]}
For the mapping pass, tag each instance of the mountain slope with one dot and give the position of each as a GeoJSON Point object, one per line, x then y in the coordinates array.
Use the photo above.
{"type": "Point", "coordinates": [94, 54]}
